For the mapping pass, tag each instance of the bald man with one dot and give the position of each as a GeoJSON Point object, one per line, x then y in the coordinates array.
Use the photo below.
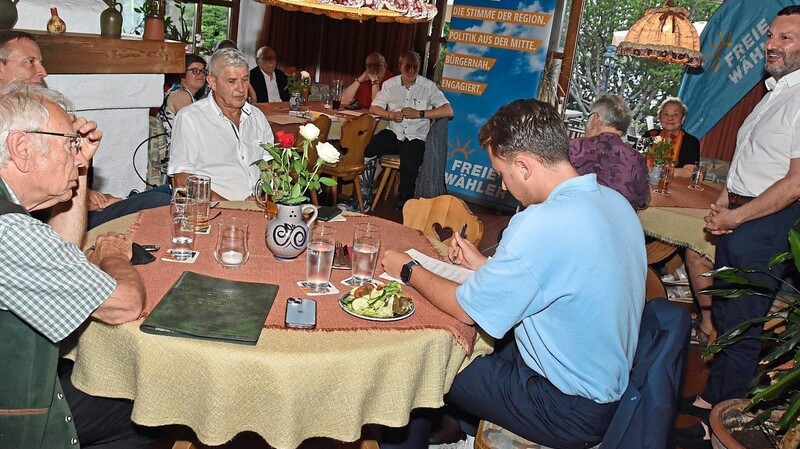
{"type": "Point", "coordinates": [268, 82]}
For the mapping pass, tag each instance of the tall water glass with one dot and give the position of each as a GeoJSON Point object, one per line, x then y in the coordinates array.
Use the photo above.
{"type": "Point", "coordinates": [366, 242]}
{"type": "Point", "coordinates": [198, 187]}
{"type": "Point", "coordinates": [320, 257]}
{"type": "Point", "coordinates": [231, 250]}
{"type": "Point", "coordinates": [698, 176]}
{"type": "Point", "coordinates": [183, 210]}
{"type": "Point", "coordinates": [667, 170]}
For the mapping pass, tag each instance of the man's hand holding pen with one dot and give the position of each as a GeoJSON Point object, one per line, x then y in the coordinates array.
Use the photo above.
{"type": "Point", "coordinates": [463, 252]}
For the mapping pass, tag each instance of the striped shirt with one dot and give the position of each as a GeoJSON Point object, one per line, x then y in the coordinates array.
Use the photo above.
{"type": "Point", "coordinates": [46, 282]}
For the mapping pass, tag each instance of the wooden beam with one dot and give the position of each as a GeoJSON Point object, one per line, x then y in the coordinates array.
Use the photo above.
{"type": "Point", "coordinates": [575, 12]}
{"type": "Point", "coordinates": [78, 53]}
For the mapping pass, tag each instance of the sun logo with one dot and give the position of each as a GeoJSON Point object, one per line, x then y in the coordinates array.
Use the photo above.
{"type": "Point", "coordinates": [457, 148]}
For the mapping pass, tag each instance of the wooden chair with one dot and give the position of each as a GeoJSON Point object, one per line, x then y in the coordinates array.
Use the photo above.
{"type": "Point", "coordinates": [390, 163]}
{"type": "Point", "coordinates": [444, 211]}
{"type": "Point", "coordinates": [356, 135]}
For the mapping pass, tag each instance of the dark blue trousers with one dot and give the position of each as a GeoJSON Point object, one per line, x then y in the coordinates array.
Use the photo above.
{"type": "Point", "coordinates": [751, 245]}
{"type": "Point", "coordinates": [134, 203]}
{"type": "Point", "coordinates": [502, 389]}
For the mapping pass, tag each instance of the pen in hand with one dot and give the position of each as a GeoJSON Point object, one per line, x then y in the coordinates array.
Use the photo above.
{"type": "Point", "coordinates": [462, 234]}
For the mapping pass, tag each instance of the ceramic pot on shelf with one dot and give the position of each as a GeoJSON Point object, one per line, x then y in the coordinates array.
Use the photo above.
{"type": "Point", "coordinates": [287, 234]}
{"type": "Point", "coordinates": [8, 14]}
{"type": "Point", "coordinates": [111, 21]}
{"type": "Point", "coordinates": [153, 28]}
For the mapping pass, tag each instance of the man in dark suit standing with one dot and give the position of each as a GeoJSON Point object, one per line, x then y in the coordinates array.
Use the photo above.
{"type": "Point", "coordinates": [268, 83]}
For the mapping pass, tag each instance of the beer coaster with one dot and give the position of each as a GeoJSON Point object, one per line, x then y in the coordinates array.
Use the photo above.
{"type": "Point", "coordinates": [352, 282]}
{"type": "Point", "coordinates": [168, 257]}
{"type": "Point", "coordinates": [327, 289]}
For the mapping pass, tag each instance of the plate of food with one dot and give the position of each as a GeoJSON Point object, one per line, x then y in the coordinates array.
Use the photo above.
{"type": "Point", "coordinates": [377, 303]}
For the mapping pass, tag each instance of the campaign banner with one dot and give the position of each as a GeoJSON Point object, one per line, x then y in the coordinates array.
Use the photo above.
{"type": "Point", "coordinates": [732, 44]}
{"type": "Point", "coordinates": [496, 52]}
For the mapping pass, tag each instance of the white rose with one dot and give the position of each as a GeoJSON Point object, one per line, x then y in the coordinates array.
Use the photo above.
{"type": "Point", "coordinates": [309, 131]}
{"type": "Point", "coordinates": [327, 152]}
{"type": "Point", "coordinates": [305, 75]}
{"type": "Point", "coordinates": [657, 139]}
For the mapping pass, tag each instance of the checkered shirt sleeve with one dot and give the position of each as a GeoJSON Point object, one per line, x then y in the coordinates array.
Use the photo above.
{"type": "Point", "coordinates": [45, 281]}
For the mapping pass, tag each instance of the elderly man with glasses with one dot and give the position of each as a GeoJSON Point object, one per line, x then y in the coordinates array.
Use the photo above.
{"type": "Point", "coordinates": [366, 86]}
{"type": "Point", "coordinates": [268, 83]}
{"type": "Point", "coordinates": [21, 59]}
{"type": "Point", "coordinates": [48, 287]}
{"type": "Point", "coordinates": [409, 102]}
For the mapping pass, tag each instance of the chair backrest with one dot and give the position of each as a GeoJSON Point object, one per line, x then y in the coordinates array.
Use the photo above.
{"type": "Point", "coordinates": [356, 135]}
{"type": "Point", "coordinates": [323, 122]}
{"type": "Point", "coordinates": [446, 211]}
{"type": "Point", "coordinates": [646, 413]}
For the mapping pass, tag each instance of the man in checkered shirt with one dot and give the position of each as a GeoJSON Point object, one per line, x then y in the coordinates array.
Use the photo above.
{"type": "Point", "coordinates": [48, 287]}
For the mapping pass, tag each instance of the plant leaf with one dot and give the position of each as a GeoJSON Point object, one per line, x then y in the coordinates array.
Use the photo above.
{"type": "Point", "coordinates": [327, 181]}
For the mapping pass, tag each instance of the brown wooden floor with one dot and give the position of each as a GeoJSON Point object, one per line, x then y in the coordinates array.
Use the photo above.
{"type": "Point", "coordinates": [494, 223]}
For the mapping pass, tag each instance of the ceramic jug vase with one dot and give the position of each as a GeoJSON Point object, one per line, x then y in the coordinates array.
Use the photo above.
{"type": "Point", "coordinates": [8, 14]}
{"type": "Point", "coordinates": [287, 233]}
{"type": "Point", "coordinates": [111, 21]}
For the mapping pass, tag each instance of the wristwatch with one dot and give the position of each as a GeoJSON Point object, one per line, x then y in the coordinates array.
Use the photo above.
{"type": "Point", "coordinates": [422, 113]}
{"type": "Point", "coordinates": [405, 272]}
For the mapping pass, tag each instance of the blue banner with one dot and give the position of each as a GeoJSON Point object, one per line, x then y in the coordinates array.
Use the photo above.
{"type": "Point", "coordinates": [495, 54]}
{"type": "Point", "coordinates": [732, 44]}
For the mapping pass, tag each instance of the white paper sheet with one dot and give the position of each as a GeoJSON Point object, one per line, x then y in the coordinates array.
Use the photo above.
{"type": "Point", "coordinates": [455, 273]}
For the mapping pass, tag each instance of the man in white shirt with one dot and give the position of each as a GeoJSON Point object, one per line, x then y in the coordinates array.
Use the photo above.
{"type": "Point", "coordinates": [267, 82]}
{"type": "Point", "coordinates": [219, 136]}
{"type": "Point", "coordinates": [753, 216]}
{"type": "Point", "coordinates": [409, 102]}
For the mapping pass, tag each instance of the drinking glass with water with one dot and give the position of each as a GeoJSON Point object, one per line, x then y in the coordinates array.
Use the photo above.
{"type": "Point", "coordinates": [183, 210]}
{"type": "Point", "coordinates": [320, 257]}
{"type": "Point", "coordinates": [366, 243]}
{"type": "Point", "coordinates": [698, 176]}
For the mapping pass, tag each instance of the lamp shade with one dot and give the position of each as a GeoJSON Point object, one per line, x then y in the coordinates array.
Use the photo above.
{"type": "Point", "coordinates": [665, 34]}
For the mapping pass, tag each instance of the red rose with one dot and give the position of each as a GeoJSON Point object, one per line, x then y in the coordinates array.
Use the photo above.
{"type": "Point", "coordinates": [653, 133]}
{"type": "Point", "coordinates": [286, 140]}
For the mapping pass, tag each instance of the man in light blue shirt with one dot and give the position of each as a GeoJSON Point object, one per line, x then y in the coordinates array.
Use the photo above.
{"type": "Point", "coordinates": [568, 278]}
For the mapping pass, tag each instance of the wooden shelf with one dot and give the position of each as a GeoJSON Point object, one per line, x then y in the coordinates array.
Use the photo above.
{"type": "Point", "coordinates": [78, 53]}
{"type": "Point", "coordinates": [343, 12]}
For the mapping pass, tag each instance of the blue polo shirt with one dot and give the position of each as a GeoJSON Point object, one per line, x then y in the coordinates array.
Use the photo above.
{"type": "Point", "coordinates": [569, 278]}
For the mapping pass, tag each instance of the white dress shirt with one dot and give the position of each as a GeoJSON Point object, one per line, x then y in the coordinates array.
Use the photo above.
{"type": "Point", "coordinates": [768, 139]}
{"type": "Point", "coordinates": [273, 93]}
{"type": "Point", "coordinates": [205, 142]}
{"type": "Point", "coordinates": [422, 95]}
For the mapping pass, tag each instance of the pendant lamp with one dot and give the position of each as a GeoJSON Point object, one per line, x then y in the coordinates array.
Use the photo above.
{"type": "Point", "coordinates": [665, 34]}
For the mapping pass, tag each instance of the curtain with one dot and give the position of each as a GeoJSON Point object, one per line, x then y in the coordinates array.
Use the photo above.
{"type": "Point", "coordinates": [338, 47]}
{"type": "Point", "coordinates": [720, 141]}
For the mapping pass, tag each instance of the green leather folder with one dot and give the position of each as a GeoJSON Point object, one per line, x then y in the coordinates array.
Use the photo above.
{"type": "Point", "coordinates": [206, 307]}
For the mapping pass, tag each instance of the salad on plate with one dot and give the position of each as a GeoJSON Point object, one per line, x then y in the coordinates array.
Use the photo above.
{"type": "Point", "coordinates": [386, 302]}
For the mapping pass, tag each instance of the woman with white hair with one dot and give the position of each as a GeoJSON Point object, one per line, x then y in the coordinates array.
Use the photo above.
{"type": "Point", "coordinates": [685, 147]}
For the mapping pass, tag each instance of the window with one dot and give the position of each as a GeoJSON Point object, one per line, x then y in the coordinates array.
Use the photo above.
{"type": "Point", "coordinates": [200, 23]}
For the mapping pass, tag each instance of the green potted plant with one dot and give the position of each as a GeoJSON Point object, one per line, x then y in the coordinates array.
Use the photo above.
{"type": "Point", "coordinates": [773, 401]}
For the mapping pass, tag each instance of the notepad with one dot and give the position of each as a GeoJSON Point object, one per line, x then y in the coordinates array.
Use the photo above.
{"type": "Point", "coordinates": [205, 307]}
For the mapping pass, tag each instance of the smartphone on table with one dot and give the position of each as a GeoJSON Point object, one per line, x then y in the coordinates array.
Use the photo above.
{"type": "Point", "coordinates": [301, 313]}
